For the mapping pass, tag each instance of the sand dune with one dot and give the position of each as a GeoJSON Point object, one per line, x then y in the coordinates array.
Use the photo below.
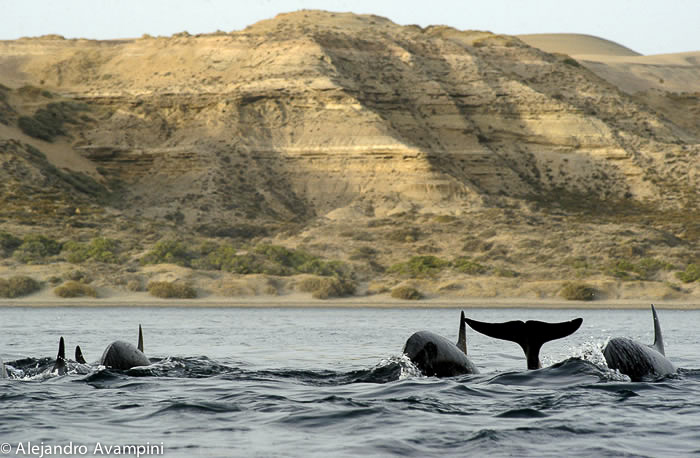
{"type": "Point", "coordinates": [623, 67]}
{"type": "Point", "coordinates": [572, 43]}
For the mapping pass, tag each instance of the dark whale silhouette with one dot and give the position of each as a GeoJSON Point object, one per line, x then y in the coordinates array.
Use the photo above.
{"type": "Point", "coordinates": [79, 355]}
{"type": "Point", "coordinates": [3, 373]}
{"type": "Point", "coordinates": [636, 360]}
{"type": "Point", "coordinates": [530, 335]}
{"type": "Point", "coordinates": [60, 365]}
{"type": "Point", "coordinates": [123, 355]}
{"type": "Point", "coordinates": [437, 356]}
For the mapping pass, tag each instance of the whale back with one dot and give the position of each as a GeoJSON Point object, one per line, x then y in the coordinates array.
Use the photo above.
{"type": "Point", "coordinates": [636, 360]}
{"type": "Point", "coordinates": [530, 335]}
{"type": "Point", "coordinates": [437, 356]}
{"type": "Point", "coordinates": [123, 355]}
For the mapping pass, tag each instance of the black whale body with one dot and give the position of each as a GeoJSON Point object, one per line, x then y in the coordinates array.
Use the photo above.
{"type": "Point", "coordinates": [437, 356]}
{"type": "Point", "coordinates": [636, 360]}
{"type": "Point", "coordinates": [123, 355]}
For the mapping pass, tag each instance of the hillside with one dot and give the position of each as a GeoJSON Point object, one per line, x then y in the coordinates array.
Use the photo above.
{"type": "Point", "coordinates": [356, 139]}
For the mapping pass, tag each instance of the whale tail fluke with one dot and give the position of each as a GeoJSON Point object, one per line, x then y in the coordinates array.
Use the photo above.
{"type": "Point", "coordinates": [60, 365]}
{"type": "Point", "coordinates": [140, 346]}
{"type": "Point", "coordinates": [462, 339]}
{"type": "Point", "coordinates": [530, 335]}
{"type": "Point", "coordinates": [79, 355]}
{"type": "Point", "coordinates": [658, 344]}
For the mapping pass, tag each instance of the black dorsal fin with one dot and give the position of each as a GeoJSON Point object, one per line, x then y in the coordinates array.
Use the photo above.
{"type": "Point", "coordinates": [60, 365]}
{"type": "Point", "coordinates": [658, 338]}
{"type": "Point", "coordinates": [79, 355]}
{"type": "Point", "coordinates": [530, 335]}
{"type": "Point", "coordinates": [140, 346]}
{"type": "Point", "coordinates": [462, 339]}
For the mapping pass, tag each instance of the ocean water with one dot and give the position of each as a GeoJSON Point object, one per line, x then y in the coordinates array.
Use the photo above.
{"type": "Point", "coordinates": [325, 382]}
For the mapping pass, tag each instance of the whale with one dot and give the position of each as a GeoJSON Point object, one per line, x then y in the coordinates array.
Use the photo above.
{"type": "Point", "coordinates": [637, 360]}
{"type": "Point", "coordinates": [437, 356]}
{"type": "Point", "coordinates": [123, 355]}
{"type": "Point", "coordinates": [3, 372]}
{"type": "Point", "coordinates": [530, 335]}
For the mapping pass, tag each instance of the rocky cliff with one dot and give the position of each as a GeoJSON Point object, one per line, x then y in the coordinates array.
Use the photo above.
{"type": "Point", "coordinates": [314, 120]}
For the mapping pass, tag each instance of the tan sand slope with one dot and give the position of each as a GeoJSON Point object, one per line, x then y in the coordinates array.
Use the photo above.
{"type": "Point", "coordinates": [626, 69]}
{"type": "Point", "coordinates": [575, 44]}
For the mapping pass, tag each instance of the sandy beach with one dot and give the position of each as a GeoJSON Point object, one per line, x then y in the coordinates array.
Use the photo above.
{"type": "Point", "coordinates": [299, 300]}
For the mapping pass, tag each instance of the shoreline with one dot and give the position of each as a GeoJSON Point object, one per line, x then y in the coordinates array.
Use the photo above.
{"type": "Point", "coordinates": [305, 301]}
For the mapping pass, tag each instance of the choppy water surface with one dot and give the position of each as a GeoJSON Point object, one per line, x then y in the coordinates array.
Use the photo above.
{"type": "Point", "coordinates": [332, 382]}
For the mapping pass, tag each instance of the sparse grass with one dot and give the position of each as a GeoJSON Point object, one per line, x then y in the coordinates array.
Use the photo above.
{"type": "Point", "coordinates": [171, 290]}
{"type": "Point", "coordinates": [75, 289]}
{"type": "Point", "coordinates": [645, 269]}
{"type": "Point", "coordinates": [578, 292]}
{"type": "Point", "coordinates": [420, 266]}
{"type": "Point", "coordinates": [445, 219]}
{"type": "Point", "coordinates": [505, 272]}
{"type": "Point", "coordinates": [18, 286]}
{"type": "Point", "coordinates": [408, 293]}
{"type": "Point", "coordinates": [404, 235]}
{"type": "Point", "coordinates": [690, 274]}
{"type": "Point", "coordinates": [467, 266]}
{"type": "Point", "coordinates": [363, 253]}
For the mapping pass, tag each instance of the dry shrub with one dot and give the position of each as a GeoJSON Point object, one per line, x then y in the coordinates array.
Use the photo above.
{"type": "Point", "coordinates": [75, 289]}
{"type": "Point", "coordinates": [18, 286]}
{"type": "Point", "coordinates": [327, 287]}
{"type": "Point", "coordinates": [578, 292]}
{"type": "Point", "coordinates": [408, 293]}
{"type": "Point", "coordinates": [170, 290]}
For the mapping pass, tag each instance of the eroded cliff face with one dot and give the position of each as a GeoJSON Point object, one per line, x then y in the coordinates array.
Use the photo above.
{"type": "Point", "coordinates": [312, 112]}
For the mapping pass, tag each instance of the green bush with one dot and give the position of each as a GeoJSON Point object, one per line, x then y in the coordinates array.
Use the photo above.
{"type": "Point", "coordinates": [168, 290]}
{"type": "Point", "coordinates": [168, 252]}
{"type": "Point", "coordinates": [420, 266]}
{"type": "Point", "coordinates": [99, 249]}
{"type": "Point", "coordinates": [18, 286]}
{"type": "Point", "coordinates": [467, 266]}
{"type": "Point", "coordinates": [408, 293]}
{"type": "Point", "coordinates": [36, 248]}
{"type": "Point", "coordinates": [75, 289]}
{"type": "Point", "coordinates": [578, 292]}
{"type": "Point", "coordinates": [690, 274]}
{"type": "Point", "coordinates": [645, 269]}
{"type": "Point", "coordinates": [8, 244]}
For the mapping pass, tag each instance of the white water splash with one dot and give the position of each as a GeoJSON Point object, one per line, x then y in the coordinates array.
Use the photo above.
{"type": "Point", "coordinates": [592, 352]}
{"type": "Point", "coordinates": [408, 369]}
